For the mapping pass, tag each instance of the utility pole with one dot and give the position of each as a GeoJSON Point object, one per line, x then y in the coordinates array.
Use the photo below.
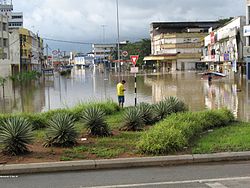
{"type": "Point", "coordinates": [47, 54]}
{"type": "Point", "coordinates": [118, 36]}
{"type": "Point", "coordinates": [21, 52]}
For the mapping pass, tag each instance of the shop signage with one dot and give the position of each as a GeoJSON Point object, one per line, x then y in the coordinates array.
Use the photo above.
{"type": "Point", "coordinates": [246, 31]}
{"type": "Point", "coordinates": [226, 57]}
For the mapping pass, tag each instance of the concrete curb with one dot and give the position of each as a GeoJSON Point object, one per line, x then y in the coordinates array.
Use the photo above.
{"type": "Point", "coordinates": [15, 169]}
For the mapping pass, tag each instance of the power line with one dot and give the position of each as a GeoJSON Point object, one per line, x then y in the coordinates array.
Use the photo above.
{"type": "Point", "coordinates": [66, 41]}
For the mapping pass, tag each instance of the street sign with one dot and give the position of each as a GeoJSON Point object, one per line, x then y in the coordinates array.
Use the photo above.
{"type": "Point", "coordinates": [124, 53]}
{"type": "Point", "coordinates": [134, 58]}
{"type": "Point", "coordinates": [134, 70]}
{"type": "Point", "coordinates": [55, 52]}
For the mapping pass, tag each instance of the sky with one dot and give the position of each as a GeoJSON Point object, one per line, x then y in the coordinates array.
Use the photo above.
{"type": "Point", "coordinates": [94, 21]}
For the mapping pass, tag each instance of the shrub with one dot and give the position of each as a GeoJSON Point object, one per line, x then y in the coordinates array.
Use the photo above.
{"type": "Point", "coordinates": [36, 120]}
{"type": "Point", "coordinates": [179, 130]}
{"type": "Point", "coordinates": [61, 131]}
{"type": "Point", "coordinates": [147, 113]}
{"type": "Point", "coordinates": [176, 105]}
{"type": "Point", "coordinates": [93, 118]}
{"type": "Point", "coordinates": [168, 106]}
{"type": "Point", "coordinates": [165, 141]}
{"type": "Point", "coordinates": [15, 135]}
{"type": "Point", "coordinates": [133, 119]}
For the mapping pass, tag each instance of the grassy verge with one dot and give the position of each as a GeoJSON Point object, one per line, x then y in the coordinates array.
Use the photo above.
{"type": "Point", "coordinates": [108, 147]}
{"type": "Point", "coordinates": [232, 138]}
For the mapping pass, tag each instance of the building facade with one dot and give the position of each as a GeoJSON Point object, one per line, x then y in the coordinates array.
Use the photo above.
{"type": "Point", "coordinates": [15, 19]}
{"type": "Point", "coordinates": [223, 47]}
{"type": "Point", "coordinates": [4, 47]}
{"type": "Point", "coordinates": [4, 37]}
{"type": "Point", "coordinates": [177, 45]}
{"type": "Point", "coordinates": [26, 51]}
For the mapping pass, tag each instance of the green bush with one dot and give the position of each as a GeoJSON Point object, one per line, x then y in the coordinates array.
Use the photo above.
{"type": "Point", "coordinates": [133, 119]}
{"type": "Point", "coordinates": [160, 141]}
{"type": "Point", "coordinates": [94, 119]}
{"type": "Point", "coordinates": [15, 135]}
{"type": "Point", "coordinates": [61, 131]}
{"type": "Point", "coordinates": [36, 120]}
{"type": "Point", "coordinates": [161, 138]}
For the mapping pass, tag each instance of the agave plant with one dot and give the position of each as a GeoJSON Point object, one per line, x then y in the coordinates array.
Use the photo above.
{"type": "Point", "coordinates": [15, 135]}
{"type": "Point", "coordinates": [61, 131]}
{"type": "Point", "coordinates": [161, 110]}
{"type": "Point", "coordinates": [147, 113]}
{"type": "Point", "coordinates": [133, 119]}
{"type": "Point", "coordinates": [94, 119]}
{"type": "Point", "coordinates": [175, 104]}
{"type": "Point", "coordinates": [168, 106]}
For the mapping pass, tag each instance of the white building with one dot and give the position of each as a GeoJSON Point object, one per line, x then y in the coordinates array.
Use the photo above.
{"type": "Point", "coordinates": [102, 51]}
{"type": "Point", "coordinates": [15, 19]}
{"type": "Point", "coordinates": [177, 45]}
{"type": "Point", "coordinates": [224, 47]}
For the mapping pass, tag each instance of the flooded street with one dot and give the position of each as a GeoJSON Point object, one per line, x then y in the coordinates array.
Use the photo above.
{"type": "Point", "coordinates": [92, 85]}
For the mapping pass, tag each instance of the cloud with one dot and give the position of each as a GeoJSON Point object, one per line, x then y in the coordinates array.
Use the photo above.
{"type": "Point", "coordinates": [81, 20]}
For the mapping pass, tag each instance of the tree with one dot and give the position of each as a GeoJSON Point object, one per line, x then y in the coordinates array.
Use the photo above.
{"type": "Point", "coordinates": [141, 48]}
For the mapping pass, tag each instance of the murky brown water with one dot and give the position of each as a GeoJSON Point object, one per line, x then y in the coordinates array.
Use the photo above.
{"type": "Point", "coordinates": [88, 85]}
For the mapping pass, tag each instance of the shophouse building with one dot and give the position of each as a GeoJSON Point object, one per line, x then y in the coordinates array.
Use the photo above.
{"type": "Point", "coordinates": [223, 47]}
{"type": "Point", "coordinates": [178, 45]}
{"type": "Point", "coordinates": [26, 52]}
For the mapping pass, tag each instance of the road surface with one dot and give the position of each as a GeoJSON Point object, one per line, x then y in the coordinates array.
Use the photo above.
{"type": "Point", "coordinates": [226, 175]}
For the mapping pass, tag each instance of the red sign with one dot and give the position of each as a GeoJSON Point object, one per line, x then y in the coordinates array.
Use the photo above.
{"type": "Point", "coordinates": [134, 58]}
{"type": "Point", "coordinates": [124, 53]}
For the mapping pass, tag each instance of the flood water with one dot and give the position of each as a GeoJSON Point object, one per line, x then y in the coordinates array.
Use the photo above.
{"type": "Point", "coordinates": [93, 85]}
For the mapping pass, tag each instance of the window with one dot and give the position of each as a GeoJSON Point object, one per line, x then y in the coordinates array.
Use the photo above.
{"type": "Point", "coordinates": [5, 42]}
{"type": "Point", "coordinates": [17, 17]}
{"type": "Point", "coordinates": [4, 26]}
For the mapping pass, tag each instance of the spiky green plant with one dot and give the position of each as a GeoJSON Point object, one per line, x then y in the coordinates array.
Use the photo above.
{"type": "Point", "coordinates": [94, 119]}
{"type": "Point", "coordinates": [61, 131]}
{"type": "Point", "coordinates": [161, 110]}
{"type": "Point", "coordinates": [147, 113]}
{"type": "Point", "coordinates": [176, 105]}
{"type": "Point", "coordinates": [15, 135]}
{"type": "Point", "coordinates": [133, 119]}
{"type": "Point", "coordinates": [168, 106]}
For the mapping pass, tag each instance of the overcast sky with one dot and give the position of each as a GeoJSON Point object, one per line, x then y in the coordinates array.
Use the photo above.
{"type": "Point", "coordinates": [82, 20]}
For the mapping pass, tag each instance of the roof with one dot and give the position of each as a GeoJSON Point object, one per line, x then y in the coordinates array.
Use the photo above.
{"type": "Point", "coordinates": [180, 26]}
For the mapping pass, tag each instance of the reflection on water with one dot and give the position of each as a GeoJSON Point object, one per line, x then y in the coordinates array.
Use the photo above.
{"type": "Point", "coordinates": [88, 85]}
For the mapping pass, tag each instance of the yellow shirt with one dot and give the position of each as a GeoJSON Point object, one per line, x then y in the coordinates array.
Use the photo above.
{"type": "Point", "coordinates": [120, 89]}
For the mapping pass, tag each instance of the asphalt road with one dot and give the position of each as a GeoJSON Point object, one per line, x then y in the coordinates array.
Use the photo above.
{"type": "Point", "coordinates": [227, 175]}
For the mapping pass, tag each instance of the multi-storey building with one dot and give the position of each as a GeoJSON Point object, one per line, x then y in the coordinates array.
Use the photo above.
{"type": "Point", "coordinates": [4, 47]}
{"type": "Point", "coordinates": [178, 45]}
{"type": "Point", "coordinates": [4, 37]}
{"type": "Point", "coordinates": [223, 47]}
{"type": "Point", "coordinates": [26, 51]}
{"type": "Point", "coordinates": [15, 19]}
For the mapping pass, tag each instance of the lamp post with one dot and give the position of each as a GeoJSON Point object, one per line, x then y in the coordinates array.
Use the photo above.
{"type": "Point", "coordinates": [118, 35]}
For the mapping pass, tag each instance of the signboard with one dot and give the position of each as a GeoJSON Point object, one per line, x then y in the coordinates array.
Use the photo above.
{"type": "Point", "coordinates": [246, 51]}
{"type": "Point", "coordinates": [55, 52]}
{"type": "Point", "coordinates": [134, 58]}
{"type": "Point", "coordinates": [124, 53]}
{"type": "Point", "coordinates": [226, 57]}
{"type": "Point", "coordinates": [246, 31]}
{"type": "Point", "coordinates": [134, 70]}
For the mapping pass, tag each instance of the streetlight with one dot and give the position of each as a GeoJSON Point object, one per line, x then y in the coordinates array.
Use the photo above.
{"type": "Point", "coordinates": [118, 35]}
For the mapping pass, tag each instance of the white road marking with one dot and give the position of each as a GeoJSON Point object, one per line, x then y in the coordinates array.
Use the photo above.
{"type": "Point", "coordinates": [216, 185]}
{"type": "Point", "coordinates": [206, 181]}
